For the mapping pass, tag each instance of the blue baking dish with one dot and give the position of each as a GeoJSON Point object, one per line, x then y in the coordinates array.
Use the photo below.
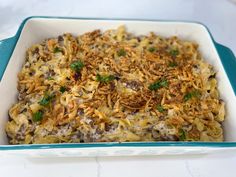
{"type": "Point", "coordinates": [35, 29]}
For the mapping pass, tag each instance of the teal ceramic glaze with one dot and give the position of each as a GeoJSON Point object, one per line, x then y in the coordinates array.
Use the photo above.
{"type": "Point", "coordinates": [227, 58]}
{"type": "Point", "coordinates": [229, 62]}
{"type": "Point", "coordinates": [6, 48]}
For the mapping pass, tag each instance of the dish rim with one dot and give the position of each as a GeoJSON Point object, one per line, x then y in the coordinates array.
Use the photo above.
{"type": "Point", "coordinates": [218, 48]}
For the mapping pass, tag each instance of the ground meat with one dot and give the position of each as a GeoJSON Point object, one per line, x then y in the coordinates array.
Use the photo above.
{"type": "Point", "coordinates": [35, 51]}
{"type": "Point", "coordinates": [109, 127]}
{"type": "Point", "coordinates": [60, 40]}
{"type": "Point", "coordinates": [134, 85]}
{"type": "Point", "coordinates": [112, 86]}
{"type": "Point", "coordinates": [76, 76]}
{"type": "Point", "coordinates": [169, 138]}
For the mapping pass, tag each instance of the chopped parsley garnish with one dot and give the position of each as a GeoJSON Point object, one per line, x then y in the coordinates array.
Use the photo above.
{"type": "Point", "coordinates": [46, 100]}
{"type": "Point", "coordinates": [57, 49]}
{"type": "Point", "coordinates": [50, 78]}
{"type": "Point", "coordinates": [174, 52]}
{"type": "Point", "coordinates": [182, 135]}
{"type": "Point", "coordinates": [104, 78]}
{"type": "Point", "coordinates": [63, 89]}
{"type": "Point", "coordinates": [77, 66]}
{"type": "Point", "coordinates": [151, 49]}
{"type": "Point", "coordinates": [159, 84]}
{"type": "Point", "coordinates": [173, 64]}
{"type": "Point", "coordinates": [121, 52]}
{"type": "Point", "coordinates": [38, 116]}
{"type": "Point", "coordinates": [187, 96]}
{"type": "Point", "coordinates": [190, 95]}
{"type": "Point", "coordinates": [160, 108]}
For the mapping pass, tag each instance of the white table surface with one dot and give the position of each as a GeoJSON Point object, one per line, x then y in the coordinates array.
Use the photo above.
{"type": "Point", "coordinates": [218, 15]}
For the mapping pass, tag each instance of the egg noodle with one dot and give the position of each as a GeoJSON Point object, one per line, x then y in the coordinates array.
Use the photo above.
{"type": "Point", "coordinates": [113, 86]}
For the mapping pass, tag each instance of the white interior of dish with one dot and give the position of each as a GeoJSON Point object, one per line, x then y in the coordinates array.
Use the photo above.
{"type": "Point", "coordinates": [37, 29]}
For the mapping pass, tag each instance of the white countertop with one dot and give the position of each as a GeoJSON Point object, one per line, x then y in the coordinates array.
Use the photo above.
{"type": "Point", "coordinates": [218, 15]}
{"type": "Point", "coordinates": [221, 165]}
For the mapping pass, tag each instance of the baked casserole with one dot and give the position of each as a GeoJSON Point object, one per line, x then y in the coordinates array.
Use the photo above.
{"type": "Point", "coordinates": [114, 86]}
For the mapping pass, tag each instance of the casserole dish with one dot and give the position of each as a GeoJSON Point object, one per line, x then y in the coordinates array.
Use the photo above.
{"type": "Point", "coordinates": [35, 29]}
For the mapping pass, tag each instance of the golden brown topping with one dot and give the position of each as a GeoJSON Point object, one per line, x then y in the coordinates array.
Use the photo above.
{"type": "Point", "coordinates": [115, 86]}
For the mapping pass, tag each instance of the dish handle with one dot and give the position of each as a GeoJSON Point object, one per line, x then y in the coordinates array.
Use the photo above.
{"type": "Point", "coordinates": [229, 62]}
{"type": "Point", "coordinates": [6, 48]}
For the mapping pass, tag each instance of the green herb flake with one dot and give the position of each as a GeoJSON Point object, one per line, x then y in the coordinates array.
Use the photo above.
{"type": "Point", "coordinates": [57, 50]}
{"type": "Point", "coordinates": [151, 49]}
{"type": "Point", "coordinates": [173, 64]}
{"type": "Point", "coordinates": [174, 52]}
{"type": "Point", "coordinates": [160, 108]}
{"type": "Point", "coordinates": [159, 84]}
{"type": "Point", "coordinates": [121, 52]}
{"type": "Point", "coordinates": [37, 116]}
{"type": "Point", "coordinates": [63, 89]}
{"type": "Point", "coordinates": [50, 78]}
{"type": "Point", "coordinates": [104, 78]}
{"type": "Point", "coordinates": [46, 100]}
{"type": "Point", "coordinates": [187, 96]}
{"type": "Point", "coordinates": [182, 135]}
{"type": "Point", "coordinates": [77, 66]}
{"type": "Point", "coordinates": [192, 94]}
